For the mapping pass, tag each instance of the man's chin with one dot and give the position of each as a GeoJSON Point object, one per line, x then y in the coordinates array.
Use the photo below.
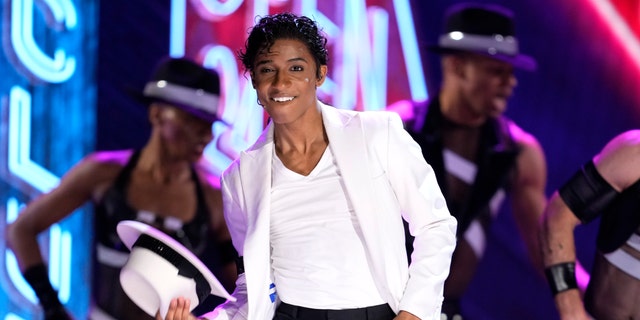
{"type": "Point", "coordinates": [195, 156]}
{"type": "Point", "coordinates": [498, 109]}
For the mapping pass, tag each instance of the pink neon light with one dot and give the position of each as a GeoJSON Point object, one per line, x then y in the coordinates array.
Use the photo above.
{"type": "Point", "coordinates": [620, 27]}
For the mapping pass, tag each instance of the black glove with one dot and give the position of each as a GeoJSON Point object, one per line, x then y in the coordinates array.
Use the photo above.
{"type": "Point", "coordinates": [56, 313]}
{"type": "Point", "coordinates": [37, 277]}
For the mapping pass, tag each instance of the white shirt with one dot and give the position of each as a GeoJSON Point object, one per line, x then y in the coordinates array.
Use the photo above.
{"type": "Point", "coordinates": [317, 253]}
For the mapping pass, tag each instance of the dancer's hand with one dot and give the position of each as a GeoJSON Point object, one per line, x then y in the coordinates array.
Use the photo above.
{"type": "Point", "coordinates": [178, 310]}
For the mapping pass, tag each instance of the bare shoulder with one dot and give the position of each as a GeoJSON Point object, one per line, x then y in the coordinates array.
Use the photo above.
{"type": "Point", "coordinates": [523, 138]}
{"type": "Point", "coordinates": [107, 158]}
{"type": "Point", "coordinates": [101, 166]}
{"type": "Point", "coordinates": [104, 163]}
{"type": "Point", "coordinates": [626, 144]}
{"type": "Point", "coordinates": [619, 160]}
{"type": "Point", "coordinates": [531, 152]}
{"type": "Point", "coordinates": [531, 162]}
{"type": "Point", "coordinates": [93, 173]}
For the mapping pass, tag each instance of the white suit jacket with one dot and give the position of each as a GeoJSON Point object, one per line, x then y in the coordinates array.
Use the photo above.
{"type": "Point", "coordinates": [385, 176]}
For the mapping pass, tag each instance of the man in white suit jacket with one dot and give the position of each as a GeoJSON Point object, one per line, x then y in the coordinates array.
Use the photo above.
{"type": "Point", "coordinates": [386, 179]}
{"type": "Point", "coordinates": [315, 207]}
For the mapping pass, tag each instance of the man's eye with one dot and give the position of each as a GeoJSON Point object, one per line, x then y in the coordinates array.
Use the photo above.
{"type": "Point", "coordinates": [297, 68]}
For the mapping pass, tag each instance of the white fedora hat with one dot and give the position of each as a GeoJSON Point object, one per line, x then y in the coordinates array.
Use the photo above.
{"type": "Point", "coordinates": [160, 269]}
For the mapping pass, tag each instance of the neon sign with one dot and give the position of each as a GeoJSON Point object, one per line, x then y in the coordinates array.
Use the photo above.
{"type": "Point", "coordinates": [374, 62]}
{"type": "Point", "coordinates": [374, 57]}
{"type": "Point", "coordinates": [622, 19]}
{"type": "Point", "coordinates": [39, 55]}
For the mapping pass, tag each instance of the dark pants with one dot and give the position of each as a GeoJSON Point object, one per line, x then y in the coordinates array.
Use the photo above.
{"type": "Point", "coordinates": [288, 312]}
{"type": "Point", "coordinates": [451, 310]}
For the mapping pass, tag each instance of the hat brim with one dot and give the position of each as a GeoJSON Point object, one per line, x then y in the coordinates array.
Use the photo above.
{"type": "Point", "coordinates": [520, 61]}
{"type": "Point", "coordinates": [200, 114]}
{"type": "Point", "coordinates": [129, 231]}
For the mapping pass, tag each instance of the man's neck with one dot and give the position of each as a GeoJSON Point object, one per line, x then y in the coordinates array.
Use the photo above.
{"type": "Point", "coordinates": [458, 111]}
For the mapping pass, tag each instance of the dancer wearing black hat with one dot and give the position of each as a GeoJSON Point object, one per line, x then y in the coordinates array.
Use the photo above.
{"type": "Point", "coordinates": [478, 154]}
{"type": "Point", "coordinates": [163, 184]}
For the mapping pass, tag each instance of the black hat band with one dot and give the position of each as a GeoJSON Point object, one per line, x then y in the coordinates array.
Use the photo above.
{"type": "Point", "coordinates": [496, 44]}
{"type": "Point", "coordinates": [185, 268]}
{"type": "Point", "coordinates": [197, 98]}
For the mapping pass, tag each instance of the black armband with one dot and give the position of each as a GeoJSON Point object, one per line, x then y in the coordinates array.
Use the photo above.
{"type": "Point", "coordinates": [587, 194]}
{"type": "Point", "coordinates": [561, 277]}
{"type": "Point", "coordinates": [38, 279]}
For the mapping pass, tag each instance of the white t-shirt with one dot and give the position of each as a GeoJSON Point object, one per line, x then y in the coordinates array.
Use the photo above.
{"type": "Point", "coordinates": [318, 256]}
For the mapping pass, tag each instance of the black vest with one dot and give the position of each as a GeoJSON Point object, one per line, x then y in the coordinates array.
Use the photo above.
{"type": "Point", "coordinates": [113, 208]}
{"type": "Point", "coordinates": [496, 158]}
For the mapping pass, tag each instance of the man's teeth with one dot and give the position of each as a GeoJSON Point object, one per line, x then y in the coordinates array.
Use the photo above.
{"type": "Point", "coordinates": [283, 99]}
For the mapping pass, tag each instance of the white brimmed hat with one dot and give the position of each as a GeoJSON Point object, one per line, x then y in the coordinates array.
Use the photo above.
{"type": "Point", "coordinates": [160, 269]}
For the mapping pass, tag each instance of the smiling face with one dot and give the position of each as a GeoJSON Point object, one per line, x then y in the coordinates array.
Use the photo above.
{"type": "Point", "coordinates": [486, 84]}
{"type": "Point", "coordinates": [286, 80]}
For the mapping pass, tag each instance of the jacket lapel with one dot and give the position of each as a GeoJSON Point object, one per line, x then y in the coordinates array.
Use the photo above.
{"type": "Point", "coordinates": [349, 147]}
{"type": "Point", "coordinates": [255, 175]}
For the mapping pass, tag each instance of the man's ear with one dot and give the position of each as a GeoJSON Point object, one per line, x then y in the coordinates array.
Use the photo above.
{"type": "Point", "coordinates": [454, 64]}
{"type": "Point", "coordinates": [155, 113]}
{"type": "Point", "coordinates": [253, 82]}
{"type": "Point", "coordinates": [322, 76]}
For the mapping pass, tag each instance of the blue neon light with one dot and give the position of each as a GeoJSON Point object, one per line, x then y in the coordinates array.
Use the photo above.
{"type": "Point", "coordinates": [230, 140]}
{"type": "Point", "coordinates": [12, 316]}
{"type": "Point", "coordinates": [364, 66]}
{"type": "Point", "coordinates": [54, 70]}
{"type": "Point", "coordinates": [413, 64]}
{"type": "Point", "coordinates": [63, 11]}
{"type": "Point", "coordinates": [11, 264]}
{"type": "Point", "coordinates": [42, 58]}
{"type": "Point", "coordinates": [310, 8]}
{"type": "Point", "coordinates": [19, 159]}
{"type": "Point", "coordinates": [60, 261]}
{"type": "Point", "coordinates": [376, 98]}
{"type": "Point", "coordinates": [20, 164]}
{"type": "Point", "coordinates": [214, 9]}
{"type": "Point", "coordinates": [178, 28]}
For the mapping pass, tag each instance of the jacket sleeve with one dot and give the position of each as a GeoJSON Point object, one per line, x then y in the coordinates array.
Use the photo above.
{"type": "Point", "coordinates": [232, 310]}
{"type": "Point", "coordinates": [424, 208]}
{"type": "Point", "coordinates": [235, 218]}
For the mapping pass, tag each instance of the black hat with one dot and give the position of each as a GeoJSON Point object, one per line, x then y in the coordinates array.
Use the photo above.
{"type": "Point", "coordinates": [486, 29]}
{"type": "Point", "coordinates": [187, 85]}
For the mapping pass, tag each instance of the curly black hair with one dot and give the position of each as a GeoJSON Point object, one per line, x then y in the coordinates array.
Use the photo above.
{"type": "Point", "coordinates": [284, 26]}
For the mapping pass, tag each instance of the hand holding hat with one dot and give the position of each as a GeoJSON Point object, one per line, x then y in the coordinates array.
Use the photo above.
{"type": "Point", "coordinates": [160, 269]}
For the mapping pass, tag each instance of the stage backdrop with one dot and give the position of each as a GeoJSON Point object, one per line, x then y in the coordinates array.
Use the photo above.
{"type": "Point", "coordinates": [582, 94]}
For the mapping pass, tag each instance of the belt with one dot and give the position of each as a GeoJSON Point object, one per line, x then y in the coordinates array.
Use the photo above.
{"type": "Point", "coordinates": [380, 312]}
